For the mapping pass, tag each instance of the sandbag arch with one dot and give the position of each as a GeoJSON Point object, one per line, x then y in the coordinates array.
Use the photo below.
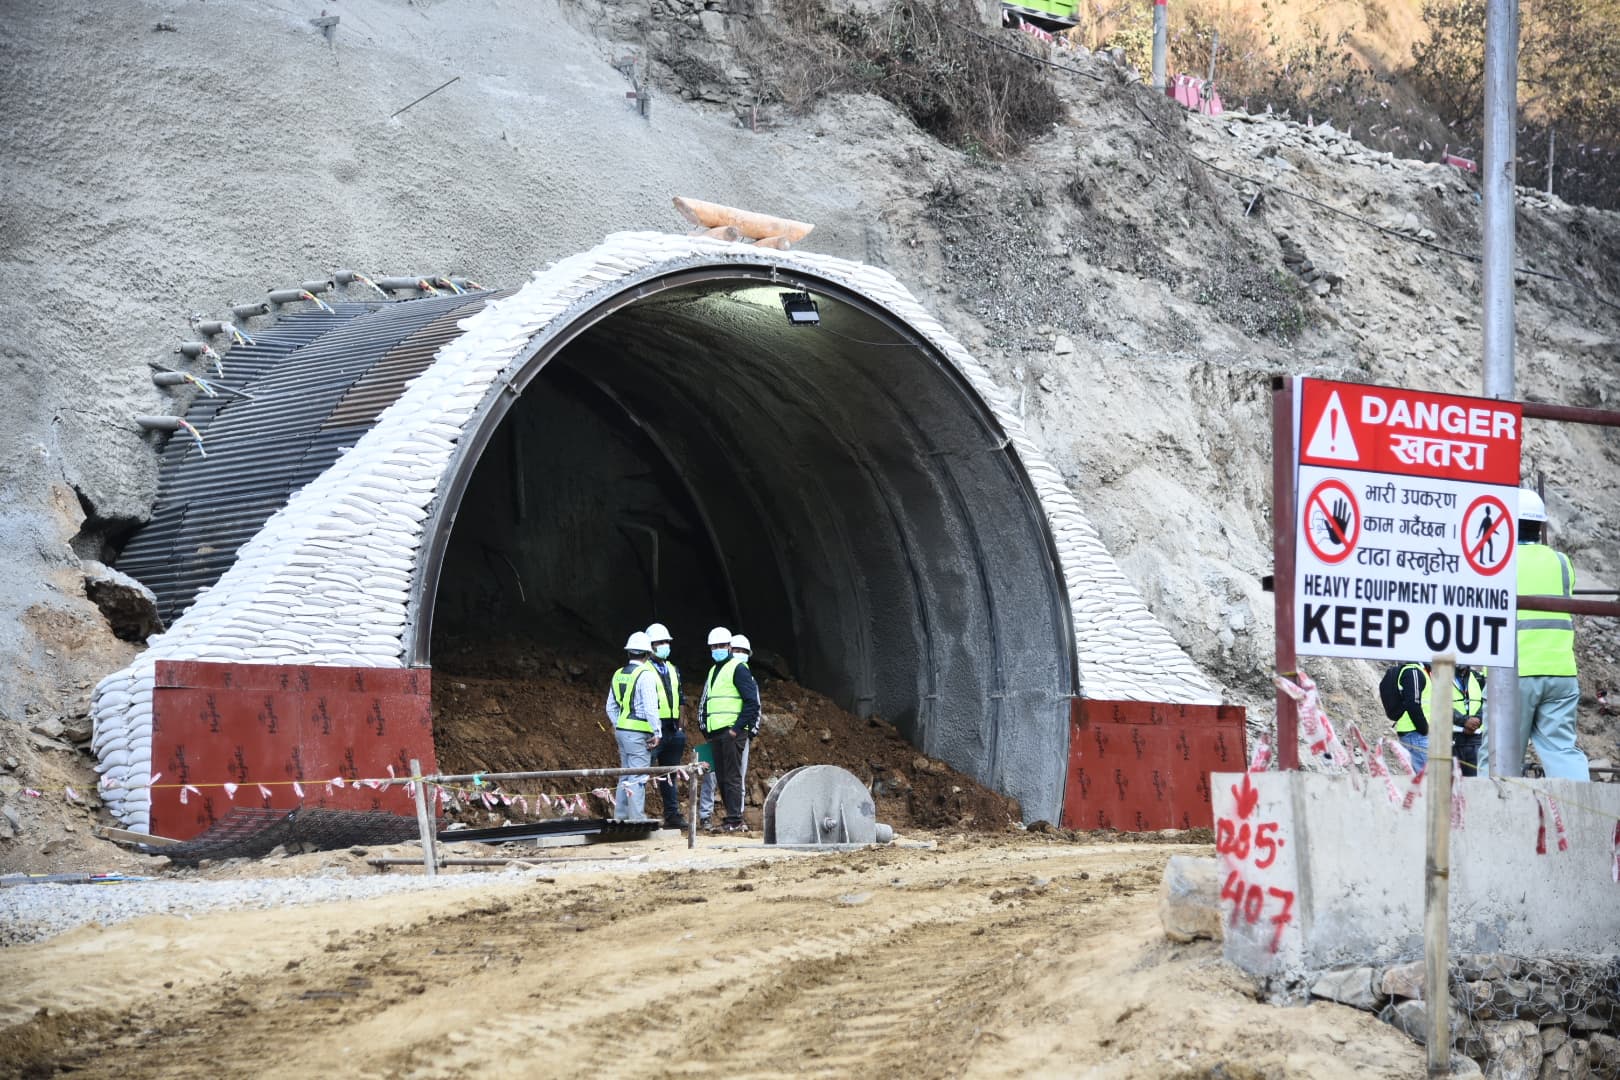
{"type": "Point", "coordinates": [391, 494]}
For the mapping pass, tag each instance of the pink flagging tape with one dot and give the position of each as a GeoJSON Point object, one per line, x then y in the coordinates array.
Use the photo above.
{"type": "Point", "coordinates": [1261, 759]}
{"type": "Point", "coordinates": [230, 791]}
{"type": "Point", "coordinates": [264, 792]}
{"type": "Point", "coordinates": [1412, 790]}
{"type": "Point", "coordinates": [1541, 828]}
{"type": "Point", "coordinates": [1377, 766]}
{"type": "Point", "coordinates": [1402, 756]}
{"type": "Point", "coordinates": [1558, 823]}
{"type": "Point", "coordinates": [1614, 870]}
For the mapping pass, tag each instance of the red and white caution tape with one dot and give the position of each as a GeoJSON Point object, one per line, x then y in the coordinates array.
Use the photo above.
{"type": "Point", "coordinates": [1260, 760]}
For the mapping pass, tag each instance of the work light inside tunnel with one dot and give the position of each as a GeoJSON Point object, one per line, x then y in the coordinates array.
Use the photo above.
{"type": "Point", "coordinates": [801, 309]}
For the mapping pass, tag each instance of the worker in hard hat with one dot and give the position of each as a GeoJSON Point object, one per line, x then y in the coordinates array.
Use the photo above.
{"type": "Point", "coordinates": [740, 647]}
{"type": "Point", "coordinates": [671, 736]}
{"type": "Point", "coordinates": [1468, 719]}
{"type": "Point", "coordinates": [632, 706]}
{"type": "Point", "coordinates": [1548, 687]}
{"type": "Point", "coordinates": [729, 709]}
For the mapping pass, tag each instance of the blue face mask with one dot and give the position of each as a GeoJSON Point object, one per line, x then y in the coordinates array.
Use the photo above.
{"type": "Point", "coordinates": [662, 652]}
{"type": "Point", "coordinates": [720, 654]}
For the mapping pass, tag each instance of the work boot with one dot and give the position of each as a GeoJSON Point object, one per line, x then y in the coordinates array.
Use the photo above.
{"type": "Point", "coordinates": [678, 823]}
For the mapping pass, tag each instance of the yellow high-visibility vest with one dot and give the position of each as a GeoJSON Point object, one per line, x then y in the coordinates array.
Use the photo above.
{"type": "Point", "coordinates": [624, 684]}
{"type": "Point", "coordinates": [722, 704]}
{"type": "Point", "coordinates": [1546, 638]}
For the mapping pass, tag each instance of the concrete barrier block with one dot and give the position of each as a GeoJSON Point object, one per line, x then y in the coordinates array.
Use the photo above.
{"type": "Point", "coordinates": [1189, 899]}
{"type": "Point", "coordinates": [1354, 986]}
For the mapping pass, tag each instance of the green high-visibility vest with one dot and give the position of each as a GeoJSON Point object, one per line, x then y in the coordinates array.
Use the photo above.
{"type": "Point", "coordinates": [1406, 723]}
{"type": "Point", "coordinates": [624, 685]}
{"type": "Point", "coordinates": [722, 703]}
{"type": "Point", "coordinates": [1546, 638]}
{"type": "Point", "coordinates": [1467, 701]}
{"type": "Point", "coordinates": [669, 700]}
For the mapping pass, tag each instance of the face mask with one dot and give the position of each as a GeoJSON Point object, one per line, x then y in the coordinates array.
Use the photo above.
{"type": "Point", "coordinates": [662, 652]}
{"type": "Point", "coordinates": [720, 654]}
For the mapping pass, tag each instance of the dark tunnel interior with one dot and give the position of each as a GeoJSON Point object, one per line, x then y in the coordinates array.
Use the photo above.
{"type": "Point", "coordinates": [836, 491]}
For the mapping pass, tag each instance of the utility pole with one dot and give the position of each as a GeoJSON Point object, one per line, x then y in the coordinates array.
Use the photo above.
{"type": "Point", "coordinates": [1501, 117]}
{"type": "Point", "coordinates": [1552, 148]}
{"type": "Point", "coordinates": [1161, 41]}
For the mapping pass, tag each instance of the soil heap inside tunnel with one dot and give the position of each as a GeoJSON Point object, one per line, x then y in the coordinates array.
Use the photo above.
{"type": "Point", "coordinates": [520, 707]}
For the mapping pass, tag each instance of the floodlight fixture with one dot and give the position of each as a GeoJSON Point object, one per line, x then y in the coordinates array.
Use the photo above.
{"type": "Point", "coordinates": [801, 309]}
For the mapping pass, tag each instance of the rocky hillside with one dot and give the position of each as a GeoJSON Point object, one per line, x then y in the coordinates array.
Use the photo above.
{"type": "Point", "coordinates": [174, 156]}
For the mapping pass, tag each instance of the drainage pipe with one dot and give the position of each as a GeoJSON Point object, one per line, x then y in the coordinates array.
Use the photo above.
{"type": "Point", "coordinates": [209, 328]}
{"type": "Point", "coordinates": [159, 423]}
{"type": "Point", "coordinates": [400, 284]}
{"type": "Point", "coordinates": [248, 311]}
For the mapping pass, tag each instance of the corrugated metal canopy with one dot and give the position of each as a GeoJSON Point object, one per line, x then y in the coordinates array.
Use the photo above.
{"type": "Point", "coordinates": [318, 380]}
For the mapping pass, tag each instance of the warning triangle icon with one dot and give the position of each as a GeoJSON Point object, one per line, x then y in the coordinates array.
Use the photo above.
{"type": "Point", "coordinates": [1332, 439]}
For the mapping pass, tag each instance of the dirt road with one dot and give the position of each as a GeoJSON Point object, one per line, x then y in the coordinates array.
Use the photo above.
{"type": "Point", "coordinates": [982, 957]}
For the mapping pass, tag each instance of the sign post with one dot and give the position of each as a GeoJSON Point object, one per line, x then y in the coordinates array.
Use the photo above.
{"type": "Point", "coordinates": [1406, 523]}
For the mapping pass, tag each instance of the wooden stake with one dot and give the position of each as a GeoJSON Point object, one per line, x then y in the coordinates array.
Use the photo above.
{"type": "Point", "coordinates": [691, 819]}
{"type": "Point", "coordinates": [424, 823]}
{"type": "Point", "coordinates": [1437, 867]}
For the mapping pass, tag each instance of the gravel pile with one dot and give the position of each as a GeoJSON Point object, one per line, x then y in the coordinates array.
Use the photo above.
{"type": "Point", "coordinates": [35, 912]}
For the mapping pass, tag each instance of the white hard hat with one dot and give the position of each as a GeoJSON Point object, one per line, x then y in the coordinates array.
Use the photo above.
{"type": "Point", "coordinates": [659, 632]}
{"type": "Point", "coordinates": [740, 641]}
{"type": "Point", "coordinates": [719, 636]}
{"type": "Point", "coordinates": [1531, 508]}
{"type": "Point", "coordinates": [639, 642]}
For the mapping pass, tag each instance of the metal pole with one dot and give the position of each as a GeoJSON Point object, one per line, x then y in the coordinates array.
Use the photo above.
{"type": "Point", "coordinates": [1283, 512]}
{"type": "Point", "coordinates": [424, 824]}
{"type": "Point", "coordinates": [1437, 867]}
{"type": "Point", "coordinates": [1214, 50]}
{"type": "Point", "coordinates": [1552, 148]}
{"type": "Point", "coordinates": [551, 774]}
{"type": "Point", "coordinates": [1506, 750]}
{"type": "Point", "coordinates": [1161, 41]}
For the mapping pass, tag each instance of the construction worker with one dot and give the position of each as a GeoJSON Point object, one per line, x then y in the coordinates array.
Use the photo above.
{"type": "Point", "coordinates": [632, 706]}
{"type": "Point", "coordinates": [671, 736]}
{"type": "Point", "coordinates": [1412, 724]}
{"type": "Point", "coordinates": [742, 648]}
{"type": "Point", "coordinates": [1548, 687]}
{"type": "Point", "coordinates": [730, 712]}
{"type": "Point", "coordinates": [1468, 718]}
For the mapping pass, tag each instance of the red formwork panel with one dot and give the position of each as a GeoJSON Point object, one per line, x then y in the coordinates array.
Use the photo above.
{"type": "Point", "coordinates": [1137, 765]}
{"type": "Point", "coordinates": [281, 726]}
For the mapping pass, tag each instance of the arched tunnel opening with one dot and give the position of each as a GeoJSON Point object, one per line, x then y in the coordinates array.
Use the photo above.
{"type": "Point", "coordinates": [686, 453]}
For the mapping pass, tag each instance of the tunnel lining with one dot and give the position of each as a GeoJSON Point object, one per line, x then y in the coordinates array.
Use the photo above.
{"type": "Point", "coordinates": [564, 330]}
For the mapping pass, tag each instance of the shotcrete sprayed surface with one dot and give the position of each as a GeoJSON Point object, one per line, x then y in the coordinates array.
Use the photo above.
{"type": "Point", "coordinates": [984, 958]}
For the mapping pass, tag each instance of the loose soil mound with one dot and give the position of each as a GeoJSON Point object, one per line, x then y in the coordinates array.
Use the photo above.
{"type": "Point", "coordinates": [546, 712]}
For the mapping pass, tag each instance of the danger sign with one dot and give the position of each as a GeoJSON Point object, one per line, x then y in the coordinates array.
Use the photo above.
{"type": "Point", "coordinates": [1383, 429]}
{"type": "Point", "coordinates": [1407, 519]}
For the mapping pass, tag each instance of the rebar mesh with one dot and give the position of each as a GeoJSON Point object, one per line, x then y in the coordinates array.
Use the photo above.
{"type": "Point", "coordinates": [247, 832]}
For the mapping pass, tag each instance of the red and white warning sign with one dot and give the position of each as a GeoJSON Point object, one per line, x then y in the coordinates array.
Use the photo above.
{"type": "Point", "coordinates": [1410, 433]}
{"type": "Point", "coordinates": [1408, 506]}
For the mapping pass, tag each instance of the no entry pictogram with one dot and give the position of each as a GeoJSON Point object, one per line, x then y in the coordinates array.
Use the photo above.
{"type": "Point", "coordinates": [1487, 535]}
{"type": "Point", "coordinates": [1332, 521]}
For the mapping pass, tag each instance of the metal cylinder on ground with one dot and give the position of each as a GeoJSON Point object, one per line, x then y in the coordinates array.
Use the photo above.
{"type": "Point", "coordinates": [248, 311]}
{"type": "Point", "coordinates": [208, 328]}
{"type": "Point", "coordinates": [159, 423]}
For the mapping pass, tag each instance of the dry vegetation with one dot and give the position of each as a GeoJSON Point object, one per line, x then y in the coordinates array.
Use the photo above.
{"type": "Point", "coordinates": [925, 56]}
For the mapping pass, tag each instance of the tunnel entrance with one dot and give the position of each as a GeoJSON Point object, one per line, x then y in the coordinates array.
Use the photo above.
{"type": "Point", "coordinates": [685, 453]}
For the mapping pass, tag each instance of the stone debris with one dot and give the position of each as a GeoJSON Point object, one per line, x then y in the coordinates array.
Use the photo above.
{"type": "Point", "coordinates": [1353, 986]}
{"type": "Point", "coordinates": [1190, 899]}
